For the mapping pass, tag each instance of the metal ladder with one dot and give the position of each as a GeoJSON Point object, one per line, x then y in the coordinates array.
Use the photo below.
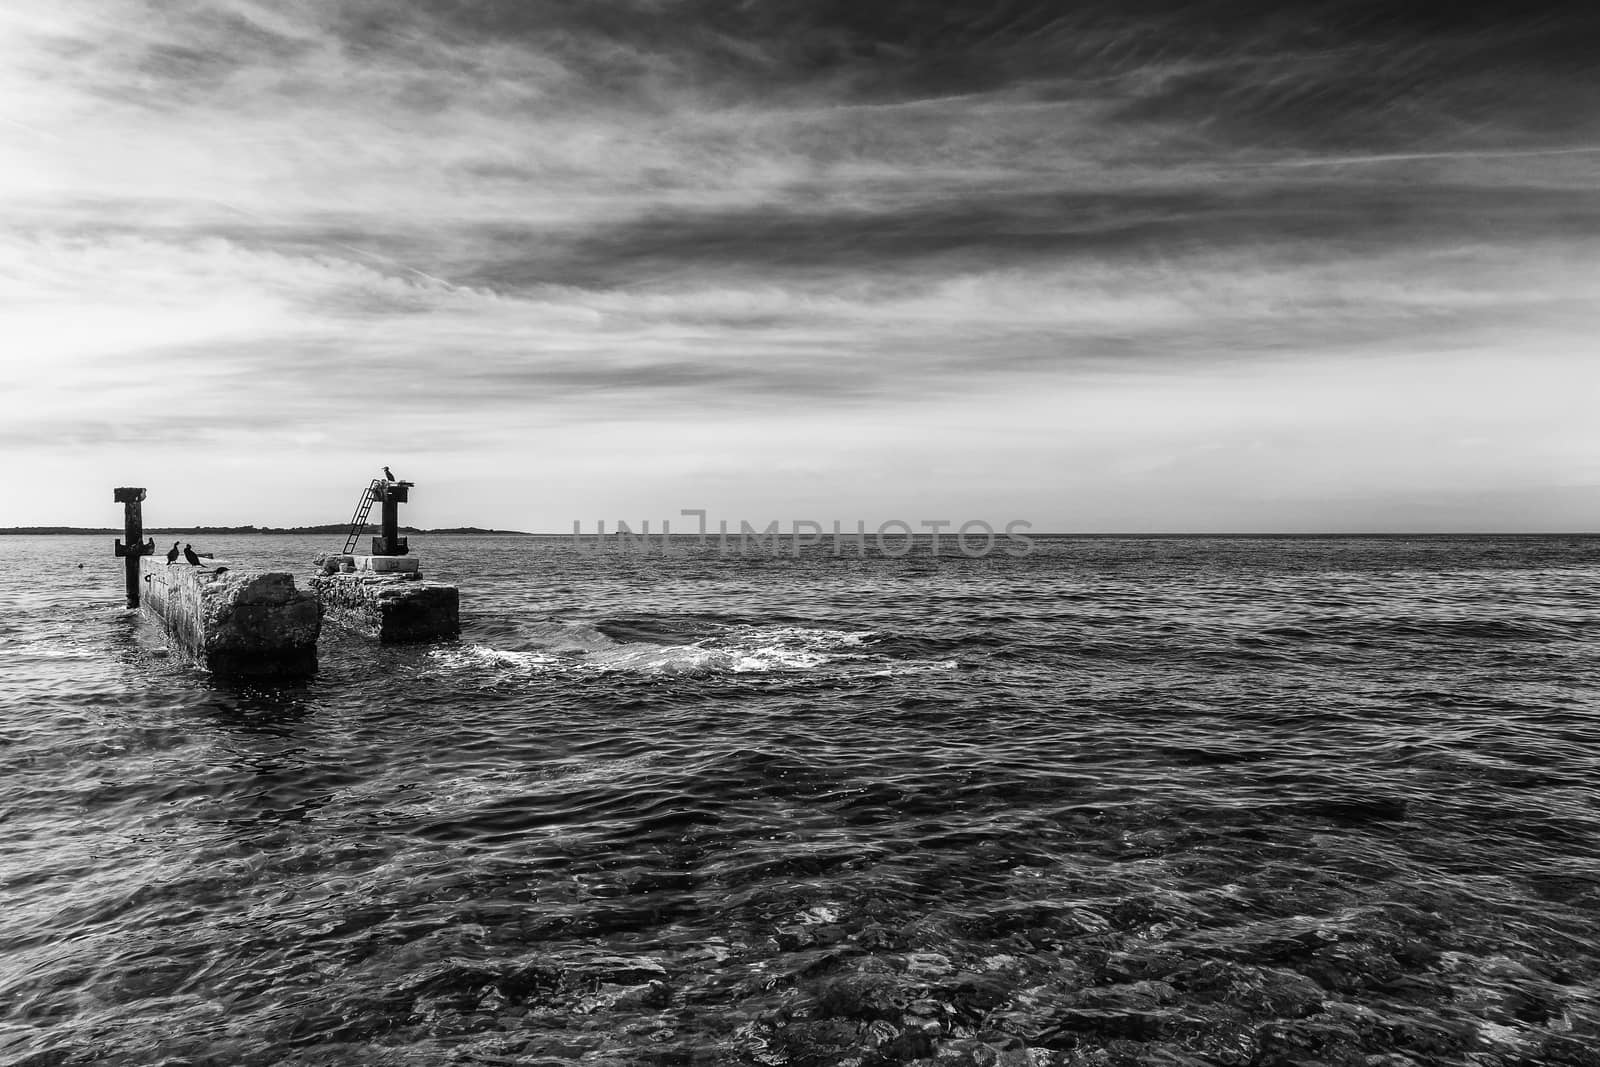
{"type": "Point", "coordinates": [358, 520]}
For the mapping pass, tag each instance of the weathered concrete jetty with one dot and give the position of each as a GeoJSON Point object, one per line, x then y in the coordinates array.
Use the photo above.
{"type": "Point", "coordinates": [383, 595]}
{"type": "Point", "coordinates": [249, 624]}
{"type": "Point", "coordinates": [252, 624]}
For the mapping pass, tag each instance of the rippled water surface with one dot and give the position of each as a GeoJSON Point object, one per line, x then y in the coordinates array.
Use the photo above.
{"type": "Point", "coordinates": [1208, 801]}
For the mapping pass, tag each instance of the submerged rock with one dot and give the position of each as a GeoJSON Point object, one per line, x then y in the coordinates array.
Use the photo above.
{"type": "Point", "coordinates": [860, 996]}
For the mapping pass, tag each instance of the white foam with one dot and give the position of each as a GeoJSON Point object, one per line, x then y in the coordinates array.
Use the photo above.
{"type": "Point", "coordinates": [579, 648]}
{"type": "Point", "coordinates": [566, 637]}
{"type": "Point", "coordinates": [662, 659]}
{"type": "Point", "coordinates": [819, 915]}
{"type": "Point", "coordinates": [482, 656]}
{"type": "Point", "coordinates": [758, 649]}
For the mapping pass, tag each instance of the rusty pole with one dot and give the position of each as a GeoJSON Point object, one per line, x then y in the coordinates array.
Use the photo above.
{"type": "Point", "coordinates": [132, 501]}
{"type": "Point", "coordinates": [390, 543]}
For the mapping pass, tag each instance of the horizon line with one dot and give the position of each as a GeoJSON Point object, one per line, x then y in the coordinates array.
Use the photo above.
{"type": "Point", "coordinates": [314, 530]}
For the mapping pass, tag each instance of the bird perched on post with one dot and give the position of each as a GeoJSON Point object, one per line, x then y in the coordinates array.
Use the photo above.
{"type": "Point", "coordinates": [388, 474]}
{"type": "Point", "coordinates": [188, 554]}
{"type": "Point", "coordinates": [172, 553]}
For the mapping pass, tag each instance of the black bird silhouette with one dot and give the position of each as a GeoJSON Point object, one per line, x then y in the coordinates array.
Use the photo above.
{"type": "Point", "coordinates": [188, 554]}
{"type": "Point", "coordinates": [389, 474]}
{"type": "Point", "coordinates": [172, 553]}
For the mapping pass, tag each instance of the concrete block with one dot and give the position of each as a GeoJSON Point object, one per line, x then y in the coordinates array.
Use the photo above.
{"type": "Point", "coordinates": [252, 624]}
{"type": "Point", "coordinates": [393, 608]}
{"type": "Point", "coordinates": [389, 564]}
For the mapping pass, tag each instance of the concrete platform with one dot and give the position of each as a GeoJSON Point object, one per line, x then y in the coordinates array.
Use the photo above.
{"type": "Point", "coordinates": [394, 608]}
{"type": "Point", "coordinates": [388, 564]}
{"type": "Point", "coordinates": [252, 624]}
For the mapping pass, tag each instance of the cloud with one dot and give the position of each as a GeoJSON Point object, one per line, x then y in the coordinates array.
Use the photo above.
{"type": "Point", "coordinates": [234, 224]}
{"type": "Point", "coordinates": [315, 334]}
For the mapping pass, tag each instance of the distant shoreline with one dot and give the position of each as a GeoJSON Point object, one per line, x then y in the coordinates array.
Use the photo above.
{"type": "Point", "coordinates": [340, 529]}
{"type": "Point", "coordinates": [588, 537]}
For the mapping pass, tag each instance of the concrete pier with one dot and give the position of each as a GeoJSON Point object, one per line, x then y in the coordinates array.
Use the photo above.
{"type": "Point", "coordinates": [252, 624]}
{"type": "Point", "coordinates": [385, 597]}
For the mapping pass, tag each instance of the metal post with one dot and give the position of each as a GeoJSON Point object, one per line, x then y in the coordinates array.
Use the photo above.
{"type": "Point", "coordinates": [391, 521]}
{"type": "Point", "coordinates": [391, 495]}
{"type": "Point", "coordinates": [132, 501]}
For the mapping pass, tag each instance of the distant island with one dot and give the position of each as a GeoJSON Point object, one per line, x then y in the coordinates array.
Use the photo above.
{"type": "Point", "coordinates": [331, 529]}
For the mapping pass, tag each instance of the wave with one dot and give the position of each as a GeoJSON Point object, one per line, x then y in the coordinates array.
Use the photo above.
{"type": "Point", "coordinates": [47, 649]}
{"type": "Point", "coordinates": [566, 647]}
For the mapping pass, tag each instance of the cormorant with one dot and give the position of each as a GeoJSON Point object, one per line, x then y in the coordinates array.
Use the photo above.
{"type": "Point", "coordinates": [389, 474]}
{"type": "Point", "coordinates": [188, 554]}
{"type": "Point", "coordinates": [172, 553]}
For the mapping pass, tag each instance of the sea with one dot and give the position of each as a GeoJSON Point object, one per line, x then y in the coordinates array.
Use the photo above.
{"type": "Point", "coordinates": [1178, 800]}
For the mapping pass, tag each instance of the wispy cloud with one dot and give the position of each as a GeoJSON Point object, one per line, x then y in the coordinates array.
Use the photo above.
{"type": "Point", "coordinates": [237, 226]}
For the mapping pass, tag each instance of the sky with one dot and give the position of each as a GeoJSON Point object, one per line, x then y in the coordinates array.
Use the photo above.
{"type": "Point", "coordinates": [1219, 265]}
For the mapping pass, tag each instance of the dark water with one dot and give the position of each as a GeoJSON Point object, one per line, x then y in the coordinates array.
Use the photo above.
{"type": "Point", "coordinates": [1123, 801]}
